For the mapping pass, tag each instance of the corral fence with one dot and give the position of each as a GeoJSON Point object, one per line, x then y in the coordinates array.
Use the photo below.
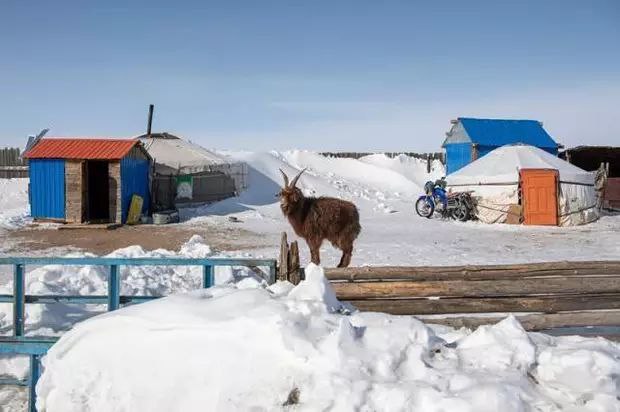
{"type": "Point", "coordinates": [11, 164]}
{"type": "Point", "coordinates": [542, 295]}
{"type": "Point", "coordinates": [428, 157]}
{"type": "Point", "coordinates": [19, 343]}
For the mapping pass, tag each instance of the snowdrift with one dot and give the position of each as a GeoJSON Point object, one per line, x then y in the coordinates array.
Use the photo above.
{"type": "Point", "coordinates": [374, 183]}
{"type": "Point", "coordinates": [13, 202]}
{"type": "Point", "coordinates": [243, 347]}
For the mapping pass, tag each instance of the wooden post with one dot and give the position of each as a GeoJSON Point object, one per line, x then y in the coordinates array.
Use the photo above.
{"type": "Point", "coordinates": [294, 270]}
{"type": "Point", "coordinates": [283, 268]}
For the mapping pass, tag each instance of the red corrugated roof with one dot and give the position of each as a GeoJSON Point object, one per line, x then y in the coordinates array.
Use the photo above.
{"type": "Point", "coordinates": [81, 148]}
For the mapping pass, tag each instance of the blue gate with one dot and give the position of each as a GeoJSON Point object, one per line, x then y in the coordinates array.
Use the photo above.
{"type": "Point", "coordinates": [20, 344]}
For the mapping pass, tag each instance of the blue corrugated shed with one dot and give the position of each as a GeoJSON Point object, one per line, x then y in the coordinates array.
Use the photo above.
{"type": "Point", "coordinates": [47, 188]}
{"type": "Point", "coordinates": [470, 139]}
{"type": "Point", "coordinates": [60, 168]}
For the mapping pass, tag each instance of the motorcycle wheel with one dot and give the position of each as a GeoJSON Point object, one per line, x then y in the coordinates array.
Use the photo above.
{"type": "Point", "coordinates": [461, 212]}
{"type": "Point", "coordinates": [424, 208]}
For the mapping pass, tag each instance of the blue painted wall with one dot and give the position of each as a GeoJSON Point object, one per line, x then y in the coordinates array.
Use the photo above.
{"type": "Point", "coordinates": [457, 156]}
{"type": "Point", "coordinates": [47, 188]}
{"type": "Point", "coordinates": [134, 181]}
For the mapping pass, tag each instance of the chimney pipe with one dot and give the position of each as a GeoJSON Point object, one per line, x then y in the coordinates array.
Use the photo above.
{"type": "Point", "coordinates": [148, 128]}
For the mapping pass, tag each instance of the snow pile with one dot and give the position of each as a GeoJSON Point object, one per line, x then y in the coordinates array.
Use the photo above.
{"type": "Point", "coordinates": [250, 348]}
{"type": "Point", "coordinates": [13, 202]}
{"type": "Point", "coordinates": [375, 183]}
{"type": "Point", "coordinates": [410, 167]}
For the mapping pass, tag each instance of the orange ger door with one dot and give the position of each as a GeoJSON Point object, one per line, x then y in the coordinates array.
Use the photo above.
{"type": "Point", "coordinates": [539, 196]}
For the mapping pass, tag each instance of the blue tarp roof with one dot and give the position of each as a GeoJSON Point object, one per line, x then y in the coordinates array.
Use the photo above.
{"type": "Point", "coordinates": [497, 132]}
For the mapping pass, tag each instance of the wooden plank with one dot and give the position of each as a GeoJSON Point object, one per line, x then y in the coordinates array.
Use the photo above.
{"type": "Point", "coordinates": [283, 267]}
{"type": "Point", "coordinates": [294, 272]}
{"type": "Point", "coordinates": [476, 288]}
{"type": "Point", "coordinates": [548, 304]}
{"type": "Point", "coordinates": [536, 321]}
{"type": "Point", "coordinates": [547, 269]}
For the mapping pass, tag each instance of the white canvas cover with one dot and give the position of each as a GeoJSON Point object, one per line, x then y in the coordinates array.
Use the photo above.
{"type": "Point", "coordinates": [494, 181]}
{"type": "Point", "coordinates": [174, 156]}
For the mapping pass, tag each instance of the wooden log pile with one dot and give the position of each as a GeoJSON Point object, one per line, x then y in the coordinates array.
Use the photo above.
{"type": "Point", "coordinates": [542, 295]}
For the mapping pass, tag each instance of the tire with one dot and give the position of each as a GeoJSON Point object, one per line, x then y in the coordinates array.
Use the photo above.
{"type": "Point", "coordinates": [461, 212]}
{"type": "Point", "coordinates": [424, 207]}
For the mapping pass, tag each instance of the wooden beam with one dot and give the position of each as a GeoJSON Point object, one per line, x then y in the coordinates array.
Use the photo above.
{"type": "Point", "coordinates": [536, 321]}
{"type": "Point", "coordinates": [548, 304]}
{"type": "Point", "coordinates": [548, 269]}
{"type": "Point", "coordinates": [476, 288]}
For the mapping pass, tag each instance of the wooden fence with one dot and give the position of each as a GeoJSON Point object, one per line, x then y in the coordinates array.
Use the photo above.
{"type": "Point", "coordinates": [11, 164]}
{"type": "Point", "coordinates": [542, 295]}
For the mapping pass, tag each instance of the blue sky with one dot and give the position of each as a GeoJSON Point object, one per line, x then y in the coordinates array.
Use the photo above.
{"type": "Point", "coordinates": [324, 75]}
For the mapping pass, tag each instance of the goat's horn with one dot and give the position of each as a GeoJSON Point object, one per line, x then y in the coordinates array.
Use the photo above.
{"type": "Point", "coordinates": [285, 178]}
{"type": "Point", "coordinates": [294, 182]}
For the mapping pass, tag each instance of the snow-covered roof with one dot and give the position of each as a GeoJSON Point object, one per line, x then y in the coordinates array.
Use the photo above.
{"type": "Point", "coordinates": [502, 165]}
{"type": "Point", "coordinates": [182, 156]}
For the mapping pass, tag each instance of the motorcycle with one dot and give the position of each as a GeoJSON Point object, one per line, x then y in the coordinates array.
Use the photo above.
{"type": "Point", "coordinates": [458, 206]}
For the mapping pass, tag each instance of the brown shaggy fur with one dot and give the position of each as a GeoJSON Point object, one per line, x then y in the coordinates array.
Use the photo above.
{"type": "Point", "coordinates": [318, 219]}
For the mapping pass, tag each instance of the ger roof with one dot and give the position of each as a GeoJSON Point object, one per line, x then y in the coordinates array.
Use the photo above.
{"type": "Point", "coordinates": [499, 132]}
{"type": "Point", "coordinates": [503, 164]}
{"type": "Point", "coordinates": [81, 148]}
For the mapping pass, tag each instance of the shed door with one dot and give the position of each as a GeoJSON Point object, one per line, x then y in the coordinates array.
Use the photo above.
{"type": "Point", "coordinates": [539, 190]}
{"type": "Point", "coordinates": [47, 188]}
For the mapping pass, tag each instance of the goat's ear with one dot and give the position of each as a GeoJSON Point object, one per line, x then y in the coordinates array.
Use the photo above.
{"type": "Point", "coordinates": [285, 178]}
{"type": "Point", "coordinates": [294, 182]}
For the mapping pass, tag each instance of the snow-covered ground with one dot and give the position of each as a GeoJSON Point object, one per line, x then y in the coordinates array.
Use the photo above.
{"type": "Point", "coordinates": [243, 347]}
{"type": "Point", "coordinates": [13, 202]}
{"type": "Point", "coordinates": [385, 190]}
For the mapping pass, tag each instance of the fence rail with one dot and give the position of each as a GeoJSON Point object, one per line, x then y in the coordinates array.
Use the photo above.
{"type": "Point", "coordinates": [542, 295]}
{"type": "Point", "coordinates": [35, 347]}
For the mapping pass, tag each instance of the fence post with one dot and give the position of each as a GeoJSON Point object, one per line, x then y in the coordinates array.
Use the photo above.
{"type": "Point", "coordinates": [114, 287]}
{"type": "Point", "coordinates": [293, 261]}
{"type": "Point", "coordinates": [18, 300]}
{"type": "Point", "coordinates": [207, 276]}
{"type": "Point", "coordinates": [284, 263]}
{"type": "Point", "coordinates": [35, 371]}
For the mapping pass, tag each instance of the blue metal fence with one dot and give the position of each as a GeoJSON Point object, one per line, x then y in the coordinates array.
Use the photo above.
{"type": "Point", "coordinates": [20, 344]}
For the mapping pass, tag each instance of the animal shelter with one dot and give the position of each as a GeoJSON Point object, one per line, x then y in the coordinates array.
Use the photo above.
{"type": "Point", "coordinates": [77, 180]}
{"type": "Point", "coordinates": [470, 139]}
{"type": "Point", "coordinates": [187, 174]}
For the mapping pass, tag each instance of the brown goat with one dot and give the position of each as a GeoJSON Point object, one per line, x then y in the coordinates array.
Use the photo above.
{"type": "Point", "coordinates": [316, 219]}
